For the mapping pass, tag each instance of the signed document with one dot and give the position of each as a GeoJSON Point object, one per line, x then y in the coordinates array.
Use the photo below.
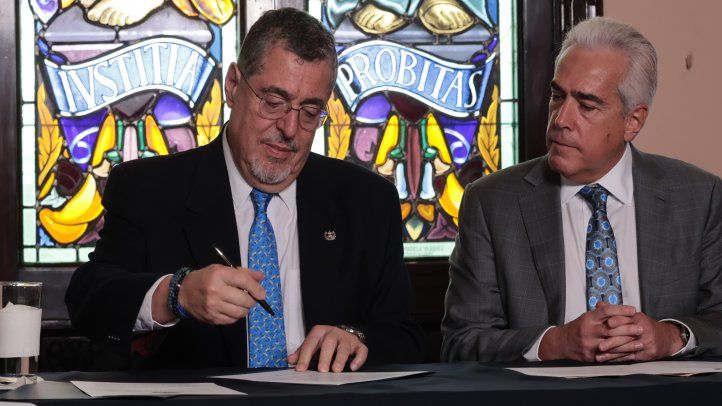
{"type": "Point", "coordinates": [680, 368]}
{"type": "Point", "coordinates": [319, 378]}
{"type": "Point", "coordinates": [158, 390]}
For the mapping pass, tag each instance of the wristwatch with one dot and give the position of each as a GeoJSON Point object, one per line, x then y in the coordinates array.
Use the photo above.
{"type": "Point", "coordinates": [353, 330]}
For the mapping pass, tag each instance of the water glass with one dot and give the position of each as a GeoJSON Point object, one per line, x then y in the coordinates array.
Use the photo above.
{"type": "Point", "coordinates": [20, 316]}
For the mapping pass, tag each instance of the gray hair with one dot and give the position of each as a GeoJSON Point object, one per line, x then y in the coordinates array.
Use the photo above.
{"type": "Point", "coordinates": [640, 81]}
{"type": "Point", "coordinates": [296, 30]}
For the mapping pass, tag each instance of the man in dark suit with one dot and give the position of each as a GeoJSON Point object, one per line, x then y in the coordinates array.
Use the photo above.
{"type": "Point", "coordinates": [596, 251]}
{"type": "Point", "coordinates": [319, 239]}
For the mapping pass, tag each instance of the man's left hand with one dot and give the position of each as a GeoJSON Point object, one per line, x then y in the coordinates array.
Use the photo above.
{"type": "Point", "coordinates": [657, 340]}
{"type": "Point", "coordinates": [334, 346]}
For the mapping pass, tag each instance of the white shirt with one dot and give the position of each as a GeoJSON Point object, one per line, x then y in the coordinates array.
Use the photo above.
{"type": "Point", "coordinates": [283, 217]}
{"type": "Point", "coordinates": [575, 217]}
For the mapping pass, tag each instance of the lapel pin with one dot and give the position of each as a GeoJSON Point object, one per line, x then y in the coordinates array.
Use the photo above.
{"type": "Point", "coordinates": [329, 235]}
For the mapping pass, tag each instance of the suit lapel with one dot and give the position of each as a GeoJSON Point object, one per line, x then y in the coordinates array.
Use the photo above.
{"type": "Point", "coordinates": [541, 213]}
{"type": "Point", "coordinates": [651, 199]}
{"type": "Point", "coordinates": [208, 209]}
{"type": "Point", "coordinates": [321, 237]}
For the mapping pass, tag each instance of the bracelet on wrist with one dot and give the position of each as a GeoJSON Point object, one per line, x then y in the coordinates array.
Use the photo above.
{"type": "Point", "coordinates": [173, 293]}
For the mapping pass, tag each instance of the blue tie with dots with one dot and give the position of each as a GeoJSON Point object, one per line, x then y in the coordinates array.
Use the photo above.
{"type": "Point", "coordinates": [603, 280]}
{"type": "Point", "coordinates": [267, 338]}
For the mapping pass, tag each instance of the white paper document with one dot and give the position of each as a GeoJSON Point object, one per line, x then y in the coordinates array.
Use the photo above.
{"type": "Point", "coordinates": [160, 390]}
{"type": "Point", "coordinates": [645, 368]}
{"type": "Point", "coordinates": [318, 378]}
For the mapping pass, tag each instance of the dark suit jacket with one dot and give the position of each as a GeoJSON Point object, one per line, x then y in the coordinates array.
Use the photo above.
{"type": "Point", "coordinates": [507, 280]}
{"type": "Point", "coordinates": [164, 213]}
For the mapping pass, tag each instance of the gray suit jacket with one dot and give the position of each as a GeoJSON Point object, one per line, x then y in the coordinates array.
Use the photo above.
{"type": "Point", "coordinates": [507, 284]}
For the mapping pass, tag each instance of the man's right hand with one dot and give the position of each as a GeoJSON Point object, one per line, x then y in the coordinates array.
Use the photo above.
{"type": "Point", "coordinates": [215, 294]}
{"type": "Point", "coordinates": [580, 339]}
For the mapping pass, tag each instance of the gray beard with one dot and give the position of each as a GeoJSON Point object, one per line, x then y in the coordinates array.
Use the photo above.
{"type": "Point", "coordinates": [270, 173]}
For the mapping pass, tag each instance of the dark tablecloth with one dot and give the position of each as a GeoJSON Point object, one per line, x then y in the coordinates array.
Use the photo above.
{"type": "Point", "coordinates": [467, 383]}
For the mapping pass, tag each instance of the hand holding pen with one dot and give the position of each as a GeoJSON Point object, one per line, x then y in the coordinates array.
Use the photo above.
{"type": "Point", "coordinates": [215, 294]}
{"type": "Point", "coordinates": [228, 262]}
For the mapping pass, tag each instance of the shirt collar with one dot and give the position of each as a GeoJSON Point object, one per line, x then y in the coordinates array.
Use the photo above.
{"type": "Point", "coordinates": [618, 181]}
{"type": "Point", "coordinates": [241, 188]}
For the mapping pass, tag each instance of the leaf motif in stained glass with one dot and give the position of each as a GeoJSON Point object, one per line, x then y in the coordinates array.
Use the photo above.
{"type": "Point", "coordinates": [339, 134]}
{"type": "Point", "coordinates": [488, 137]}
{"type": "Point", "coordinates": [207, 121]}
{"type": "Point", "coordinates": [50, 143]}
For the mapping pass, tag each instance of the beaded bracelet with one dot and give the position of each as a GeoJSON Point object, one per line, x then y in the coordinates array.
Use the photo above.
{"type": "Point", "coordinates": [175, 282]}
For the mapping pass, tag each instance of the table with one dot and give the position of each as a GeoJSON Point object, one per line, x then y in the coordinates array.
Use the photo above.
{"type": "Point", "coordinates": [466, 383]}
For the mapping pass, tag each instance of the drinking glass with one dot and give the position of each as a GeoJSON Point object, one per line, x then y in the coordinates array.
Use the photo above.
{"type": "Point", "coordinates": [20, 316]}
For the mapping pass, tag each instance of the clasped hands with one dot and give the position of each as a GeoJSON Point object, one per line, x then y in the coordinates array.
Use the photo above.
{"type": "Point", "coordinates": [615, 333]}
{"type": "Point", "coordinates": [218, 294]}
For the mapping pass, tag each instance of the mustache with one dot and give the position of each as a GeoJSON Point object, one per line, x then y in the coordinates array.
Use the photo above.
{"type": "Point", "coordinates": [559, 138]}
{"type": "Point", "coordinates": [278, 138]}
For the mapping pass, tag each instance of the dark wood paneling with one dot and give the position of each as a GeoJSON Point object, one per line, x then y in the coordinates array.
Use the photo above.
{"type": "Point", "coordinates": [55, 281]}
{"type": "Point", "coordinates": [429, 280]}
{"type": "Point", "coordinates": [536, 56]}
{"type": "Point", "coordinates": [542, 26]}
{"type": "Point", "coordinates": [9, 176]}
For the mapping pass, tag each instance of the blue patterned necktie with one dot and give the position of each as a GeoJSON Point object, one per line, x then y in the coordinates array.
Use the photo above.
{"type": "Point", "coordinates": [603, 280]}
{"type": "Point", "coordinates": [267, 338]}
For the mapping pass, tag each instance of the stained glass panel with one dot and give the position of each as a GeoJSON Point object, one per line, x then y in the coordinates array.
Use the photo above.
{"type": "Point", "coordinates": [425, 97]}
{"type": "Point", "coordinates": [107, 81]}
{"type": "Point", "coordinates": [425, 100]}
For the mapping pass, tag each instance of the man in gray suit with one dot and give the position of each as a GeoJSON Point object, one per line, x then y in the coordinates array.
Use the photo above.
{"type": "Point", "coordinates": [596, 251]}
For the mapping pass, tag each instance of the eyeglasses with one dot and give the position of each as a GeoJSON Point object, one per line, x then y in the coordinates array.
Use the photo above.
{"type": "Point", "coordinates": [273, 107]}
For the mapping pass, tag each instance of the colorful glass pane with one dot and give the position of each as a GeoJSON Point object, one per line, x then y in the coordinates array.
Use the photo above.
{"type": "Point", "coordinates": [115, 80]}
{"type": "Point", "coordinates": [417, 100]}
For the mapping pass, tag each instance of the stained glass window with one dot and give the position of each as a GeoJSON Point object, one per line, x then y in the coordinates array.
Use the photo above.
{"type": "Point", "coordinates": [426, 97]}
{"type": "Point", "coordinates": [106, 81]}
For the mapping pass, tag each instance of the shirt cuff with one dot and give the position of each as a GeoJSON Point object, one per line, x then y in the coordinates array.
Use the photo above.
{"type": "Point", "coordinates": [691, 343]}
{"type": "Point", "coordinates": [144, 322]}
{"type": "Point", "coordinates": [533, 353]}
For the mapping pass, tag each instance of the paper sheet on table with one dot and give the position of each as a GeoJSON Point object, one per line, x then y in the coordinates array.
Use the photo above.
{"type": "Point", "coordinates": [319, 378]}
{"type": "Point", "coordinates": [646, 368]}
{"type": "Point", "coordinates": [159, 390]}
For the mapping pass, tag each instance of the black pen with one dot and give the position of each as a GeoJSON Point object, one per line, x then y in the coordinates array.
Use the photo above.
{"type": "Point", "coordinates": [261, 302]}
